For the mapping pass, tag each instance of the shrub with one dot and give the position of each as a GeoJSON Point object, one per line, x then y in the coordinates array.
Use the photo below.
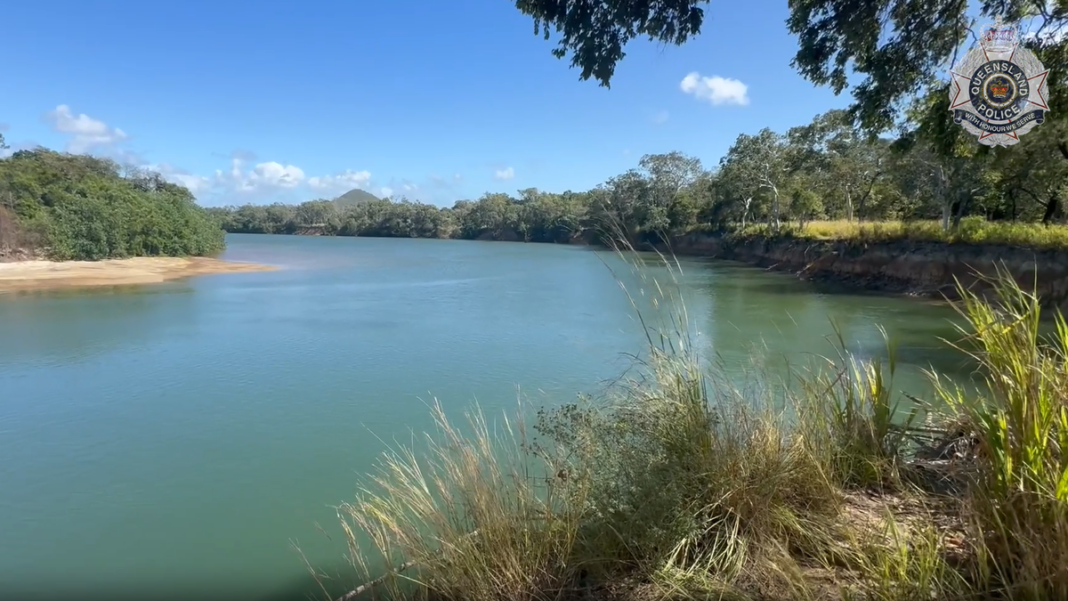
{"type": "Point", "coordinates": [79, 207]}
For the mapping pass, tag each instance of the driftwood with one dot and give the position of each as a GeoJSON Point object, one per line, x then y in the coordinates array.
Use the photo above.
{"type": "Point", "coordinates": [363, 588]}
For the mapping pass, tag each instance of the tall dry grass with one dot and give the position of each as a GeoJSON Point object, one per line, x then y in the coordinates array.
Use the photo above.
{"type": "Point", "coordinates": [472, 519]}
{"type": "Point", "coordinates": [972, 230]}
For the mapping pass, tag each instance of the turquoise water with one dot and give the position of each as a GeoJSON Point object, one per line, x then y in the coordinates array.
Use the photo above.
{"type": "Point", "coordinates": [183, 435]}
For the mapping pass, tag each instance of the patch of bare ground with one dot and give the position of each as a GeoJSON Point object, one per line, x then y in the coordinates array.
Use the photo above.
{"type": "Point", "coordinates": [46, 275]}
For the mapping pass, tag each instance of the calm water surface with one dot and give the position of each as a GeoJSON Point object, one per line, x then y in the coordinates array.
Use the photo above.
{"type": "Point", "coordinates": [185, 434]}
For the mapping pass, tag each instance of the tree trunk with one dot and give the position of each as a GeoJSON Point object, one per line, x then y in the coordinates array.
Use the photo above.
{"type": "Point", "coordinates": [961, 207]}
{"type": "Point", "coordinates": [867, 195]}
{"type": "Point", "coordinates": [1052, 208]}
{"type": "Point", "coordinates": [778, 223]}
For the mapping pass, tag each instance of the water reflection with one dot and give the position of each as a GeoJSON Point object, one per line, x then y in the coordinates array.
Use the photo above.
{"type": "Point", "coordinates": [757, 324]}
{"type": "Point", "coordinates": [71, 326]}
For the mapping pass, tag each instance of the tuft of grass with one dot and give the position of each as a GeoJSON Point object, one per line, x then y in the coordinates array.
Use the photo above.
{"type": "Point", "coordinates": [1019, 500]}
{"type": "Point", "coordinates": [898, 561]}
{"type": "Point", "coordinates": [852, 416]}
{"type": "Point", "coordinates": [471, 520]}
{"type": "Point", "coordinates": [972, 230]}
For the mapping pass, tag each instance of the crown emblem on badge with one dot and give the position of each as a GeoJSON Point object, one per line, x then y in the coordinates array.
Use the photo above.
{"type": "Point", "coordinates": [998, 90]}
{"type": "Point", "coordinates": [998, 37]}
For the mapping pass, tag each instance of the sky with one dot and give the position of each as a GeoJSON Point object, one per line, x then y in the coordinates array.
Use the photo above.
{"type": "Point", "coordinates": [433, 100]}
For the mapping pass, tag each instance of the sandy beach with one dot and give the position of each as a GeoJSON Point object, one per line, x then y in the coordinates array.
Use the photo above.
{"type": "Point", "coordinates": [40, 275]}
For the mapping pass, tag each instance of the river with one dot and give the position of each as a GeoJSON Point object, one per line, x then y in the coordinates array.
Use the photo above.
{"type": "Point", "coordinates": [185, 434]}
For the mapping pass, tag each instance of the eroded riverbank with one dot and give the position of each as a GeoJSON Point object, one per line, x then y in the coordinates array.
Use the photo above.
{"type": "Point", "coordinates": [928, 269]}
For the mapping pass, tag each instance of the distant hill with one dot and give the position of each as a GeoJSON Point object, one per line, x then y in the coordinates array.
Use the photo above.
{"type": "Point", "coordinates": [354, 197]}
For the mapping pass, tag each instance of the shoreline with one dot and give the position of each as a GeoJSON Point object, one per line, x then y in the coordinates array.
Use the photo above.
{"type": "Point", "coordinates": [921, 269]}
{"type": "Point", "coordinates": [916, 268]}
{"type": "Point", "coordinates": [19, 276]}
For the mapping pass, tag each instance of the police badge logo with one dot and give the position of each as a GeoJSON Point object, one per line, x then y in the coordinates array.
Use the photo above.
{"type": "Point", "coordinates": [995, 86]}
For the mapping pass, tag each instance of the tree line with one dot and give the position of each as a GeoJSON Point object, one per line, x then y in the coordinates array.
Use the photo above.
{"type": "Point", "coordinates": [78, 207]}
{"type": "Point", "coordinates": [893, 57]}
{"type": "Point", "coordinates": [827, 169]}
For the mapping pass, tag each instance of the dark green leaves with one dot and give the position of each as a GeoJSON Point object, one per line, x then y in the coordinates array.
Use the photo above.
{"type": "Point", "coordinates": [80, 207]}
{"type": "Point", "coordinates": [595, 32]}
{"type": "Point", "coordinates": [901, 49]}
{"type": "Point", "coordinates": [898, 45]}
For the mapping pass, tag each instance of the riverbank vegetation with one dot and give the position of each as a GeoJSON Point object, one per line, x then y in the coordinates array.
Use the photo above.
{"type": "Point", "coordinates": [681, 484]}
{"type": "Point", "coordinates": [77, 207]}
{"type": "Point", "coordinates": [826, 178]}
{"type": "Point", "coordinates": [972, 230]}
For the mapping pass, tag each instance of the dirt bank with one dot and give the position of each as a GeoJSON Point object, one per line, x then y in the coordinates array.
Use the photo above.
{"type": "Point", "coordinates": [39, 275]}
{"type": "Point", "coordinates": [907, 267]}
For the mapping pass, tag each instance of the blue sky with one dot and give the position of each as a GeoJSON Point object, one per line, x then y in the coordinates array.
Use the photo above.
{"type": "Point", "coordinates": [434, 100]}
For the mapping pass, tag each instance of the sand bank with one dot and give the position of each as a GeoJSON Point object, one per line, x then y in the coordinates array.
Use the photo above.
{"type": "Point", "coordinates": [40, 275]}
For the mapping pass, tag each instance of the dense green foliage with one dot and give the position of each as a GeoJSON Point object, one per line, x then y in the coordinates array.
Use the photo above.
{"type": "Point", "coordinates": [827, 169]}
{"type": "Point", "coordinates": [84, 208]}
{"type": "Point", "coordinates": [902, 48]}
{"type": "Point", "coordinates": [594, 32]}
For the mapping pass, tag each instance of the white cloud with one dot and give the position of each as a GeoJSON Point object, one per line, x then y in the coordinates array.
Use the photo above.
{"type": "Point", "coordinates": [276, 175]}
{"type": "Point", "coordinates": [716, 90]}
{"type": "Point", "coordinates": [341, 182]}
{"type": "Point", "coordinates": [266, 176]}
{"type": "Point", "coordinates": [504, 174]}
{"type": "Point", "coordinates": [661, 118]}
{"type": "Point", "coordinates": [386, 191]}
{"type": "Point", "coordinates": [85, 132]}
{"type": "Point", "coordinates": [197, 184]}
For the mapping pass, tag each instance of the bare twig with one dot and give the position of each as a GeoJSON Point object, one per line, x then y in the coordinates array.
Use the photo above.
{"type": "Point", "coordinates": [363, 588]}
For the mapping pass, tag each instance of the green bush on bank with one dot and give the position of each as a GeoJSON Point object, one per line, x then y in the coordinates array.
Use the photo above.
{"type": "Point", "coordinates": [683, 485]}
{"type": "Point", "coordinates": [76, 207]}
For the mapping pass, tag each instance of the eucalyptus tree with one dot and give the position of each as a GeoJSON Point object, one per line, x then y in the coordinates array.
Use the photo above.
{"type": "Point", "coordinates": [1029, 180]}
{"type": "Point", "coordinates": [317, 213]}
{"type": "Point", "coordinates": [839, 161]}
{"type": "Point", "coordinates": [617, 206]}
{"type": "Point", "coordinates": [668, 176]}
{"type": "Point", "coordinates": [756, 168]}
